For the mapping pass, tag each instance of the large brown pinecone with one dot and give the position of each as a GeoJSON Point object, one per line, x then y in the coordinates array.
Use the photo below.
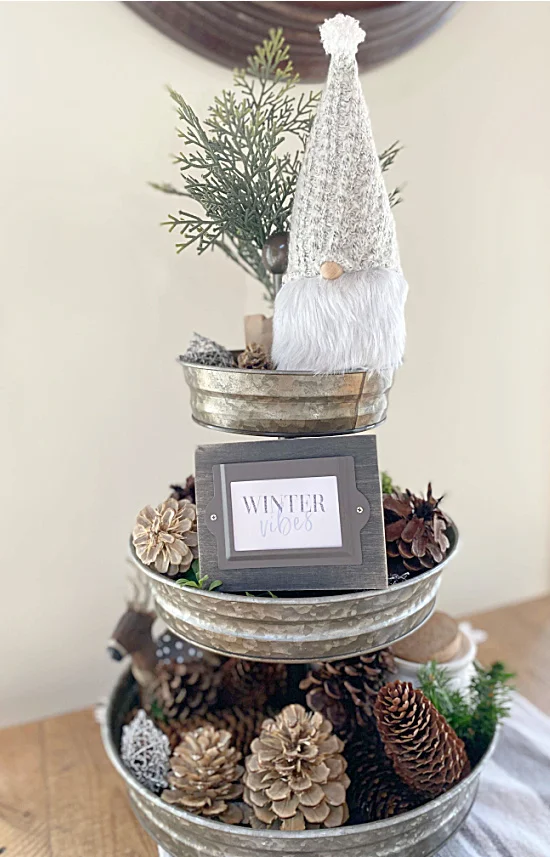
{"type": "Point", "coordinates": [376, 792]}
{"type": "Point", "coordinates": [179, 690]}
{"type": "Point", "coordinates": [254, 357]}
{"type": "Point", "coordinates": [415, 530]}
{"type": "Point", "coordinates": [251, 684]}
{"type": "Point", "coordinates": [205, 776]}
{"type": "Point", "coordinates": [425, 751]}
{"type": "Point", "coordinates": [345, 691]}
{"type": "Point", "coordinates": [244, 726]}
{"type": "Point", "coordinates": [165, 537]}
{"type": "Point", "coordinates": [295, 774]}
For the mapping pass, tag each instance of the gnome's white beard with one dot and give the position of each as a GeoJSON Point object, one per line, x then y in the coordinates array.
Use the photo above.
{"type": "Point", "coordinates": [354, 322]}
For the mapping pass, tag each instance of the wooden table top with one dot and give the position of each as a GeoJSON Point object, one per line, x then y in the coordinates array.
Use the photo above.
{"type": "Point", "coordinates": [60, 796]}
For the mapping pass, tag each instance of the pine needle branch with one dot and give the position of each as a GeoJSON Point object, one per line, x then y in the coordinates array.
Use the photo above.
{"type": "Point", "coordinates": [473, 715]}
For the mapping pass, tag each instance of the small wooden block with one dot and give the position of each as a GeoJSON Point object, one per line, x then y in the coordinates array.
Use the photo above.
{"type": "Point", "coordinates": [331, 270]}
{"type": "Point", "coordinates": [439, 639]}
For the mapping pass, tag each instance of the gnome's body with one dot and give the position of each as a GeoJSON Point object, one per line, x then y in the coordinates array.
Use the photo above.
{"type": "Point", "coordinates": [342, 304]}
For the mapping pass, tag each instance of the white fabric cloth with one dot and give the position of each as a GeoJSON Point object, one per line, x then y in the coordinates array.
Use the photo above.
{"type": "Point", "coordinates": [511, 816]}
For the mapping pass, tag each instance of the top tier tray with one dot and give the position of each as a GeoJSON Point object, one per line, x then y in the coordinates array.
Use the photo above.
{"type": "Point", "coordinates": [286, 404]}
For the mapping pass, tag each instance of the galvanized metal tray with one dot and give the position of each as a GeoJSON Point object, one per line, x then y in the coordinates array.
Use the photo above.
{"type": "Point", "coordinates": [419, 833]}
{"type": "Point", "coordinates": [296, 630]}
{"type": "Point", "coordinates": [286, 404]}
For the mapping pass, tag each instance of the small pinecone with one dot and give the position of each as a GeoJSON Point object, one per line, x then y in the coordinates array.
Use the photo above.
{"type": "Point", "coordinates": [179, 690]}
{"type": "Point", "coordinates": [185, 492]}
{"type": "Point", "coordinates": [244, 726]}
{"type": "Point", "coordinates": [251, 684]}
{"type": "Point", "coordinates": [425, 751]}
{"type": "Point", "coordinates": [205, 776]}
{"type": "Point", "coordinates": [145, 752]}
{"type": "Point", "coordinates": [254, 357]}
{"type": "Point", "coordinates": [415, 530]}
{"type": "Point", "coordinates": [165, 537]}
{"type": "Point", "coordinates": [376, 792]}
{"type": "Point", "coordinates": [345, 691]}
{"type": "Point", "coordinates": [295, 774]}
{"type": "Point", "coordinates": [206, 352]}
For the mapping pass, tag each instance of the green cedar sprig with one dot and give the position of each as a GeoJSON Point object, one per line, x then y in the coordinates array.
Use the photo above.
{"type": "Point", "coordinates": [473, 715]}
{"type": "Point", "coordinates": [388, 485]}
{"type": "Point", "coordinates": [235, 164]}
{"type": "Point", "coordinates": [194, 579]}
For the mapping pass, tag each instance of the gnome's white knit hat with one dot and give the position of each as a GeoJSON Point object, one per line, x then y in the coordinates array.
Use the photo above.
{"type": "Point", "coordinates": [341, 209]}
{"type": "Point", "coordinates": [342, 304]}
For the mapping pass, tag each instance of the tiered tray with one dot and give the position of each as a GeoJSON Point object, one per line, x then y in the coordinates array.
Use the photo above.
{"type": "Point", "coordinates": [419, 833]}
{"type": "Point", "coordinates": [296, 630]}
{"type": "Point", "coordinates": [289, 629]}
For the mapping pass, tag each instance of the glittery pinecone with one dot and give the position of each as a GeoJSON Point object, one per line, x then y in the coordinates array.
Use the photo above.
{"type": "Point", "coordinates": [295, 774]}
{"type": "Point", "coordinates": [206, 352]}
{"type": "Point", "coordinates": [251, 684]}
{"type": "Point", "coordinates": [179, 690]}
{"type": "Point", "coordinates": [145, 752]}
{"type": "Point", "coordinates": [165, 537]}
{"type": "Point", "coordinates": [376, 792]}
{"type": "Point", "coordinates": [426, 753]}
{"type": "Point", "coordinates": [244, 726]}
{"type": "Point", "coordinates": [205, 775]}
{"type": "Point", "coordinates": [416, 528]}
{"type": "Point", "coordinates": [254, 357]}
{"type": "Point", "coordinates": [186, 491]}
{"type": "Point", "coordinates": [345, 691]}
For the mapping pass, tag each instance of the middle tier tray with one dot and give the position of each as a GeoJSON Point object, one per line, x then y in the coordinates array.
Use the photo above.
{"type": "Point", "coordinates": [296, 630]}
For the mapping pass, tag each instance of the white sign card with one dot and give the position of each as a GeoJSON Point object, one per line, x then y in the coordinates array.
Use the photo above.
{"type": "Point", "coordinates": [286, 514]}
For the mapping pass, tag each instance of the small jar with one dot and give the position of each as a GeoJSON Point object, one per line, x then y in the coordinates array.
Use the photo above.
{"type": "Point", "coordinates": [461, 668]}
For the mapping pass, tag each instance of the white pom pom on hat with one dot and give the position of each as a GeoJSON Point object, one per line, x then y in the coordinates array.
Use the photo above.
{"type": "Point", "coordinates": [341, 35]}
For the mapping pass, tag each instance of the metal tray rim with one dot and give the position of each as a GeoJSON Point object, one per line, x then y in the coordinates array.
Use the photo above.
{"type": "Point", "coordinates": [258, 599]}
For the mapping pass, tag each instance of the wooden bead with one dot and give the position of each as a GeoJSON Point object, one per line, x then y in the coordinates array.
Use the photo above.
{"type": "Point", "coordinates": [275, 253]}
{"type": "Point", "coordinates": [331, 270]}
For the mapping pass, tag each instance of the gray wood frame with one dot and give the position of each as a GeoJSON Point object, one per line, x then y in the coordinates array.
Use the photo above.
{"type": "Point", "coordinates": [361, 561]}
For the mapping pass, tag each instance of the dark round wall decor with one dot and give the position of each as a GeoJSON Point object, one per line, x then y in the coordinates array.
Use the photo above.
{"type": "Point", "coordinates": [228, 32]}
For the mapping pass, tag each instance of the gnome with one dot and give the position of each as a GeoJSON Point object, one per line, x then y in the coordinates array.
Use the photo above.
{"type": "Point", "coordinates": [341, 306]}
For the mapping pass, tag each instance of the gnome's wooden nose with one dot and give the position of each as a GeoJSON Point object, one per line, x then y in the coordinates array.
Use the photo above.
{"type": "Point", "coordinates": [331, 270]}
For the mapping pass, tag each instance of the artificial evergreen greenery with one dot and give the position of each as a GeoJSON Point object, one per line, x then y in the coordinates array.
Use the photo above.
{"type": "Point", "coordinates": [236, 165]}
{"type": "Point", "coordinates": [388, 486]}
{"type": "Point", "coordinates": [475, 714]}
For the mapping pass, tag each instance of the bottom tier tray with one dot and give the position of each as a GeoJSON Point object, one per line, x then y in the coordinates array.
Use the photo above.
{"type": "Point", "coordinates": [296, 630]}
{"type": "Point", "coordinates": [418, 833]}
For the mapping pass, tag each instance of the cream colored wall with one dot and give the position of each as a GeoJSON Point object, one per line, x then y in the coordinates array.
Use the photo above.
{"type": "Point", "coordinates": [96, 306]}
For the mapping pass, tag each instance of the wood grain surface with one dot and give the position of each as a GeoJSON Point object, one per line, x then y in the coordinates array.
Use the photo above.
{"type": "Point", "coordinates": [60, 797]}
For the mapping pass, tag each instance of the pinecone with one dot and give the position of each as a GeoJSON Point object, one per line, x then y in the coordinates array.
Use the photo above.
{"type": "Point", "coordinates": [145, 752]}
{"type": "Point", "coordinates": [295, 774]}
{"type": "Point", "coordinates": [345, 691]}
{"type": "Point", "coordinates": [415, 530]}
{"type": "Point", "coordinates": [244, 726]}
{"type": "Point", "coordinates": [185, 492]}
{"type": "Point", "coordinates": [206, 352]}
{"type": "Point", "coordinates": [376, 792]}
{"type": "Point", "coordinates": [425, 752]}
{"type": "Point", "coordinates": [166, 538]}
{"type": "Point", "coordinates": [179, 690]}
{"type": "Point", "coordinates": [254, 357]}
{"type": "Point", "coordinates": [205, 776]}
{"type": "Point", "coordinates": [251, 684]}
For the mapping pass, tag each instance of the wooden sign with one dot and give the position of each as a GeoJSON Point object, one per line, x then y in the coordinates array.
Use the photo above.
{"type": "Point", "coordinates": [291, 515]}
